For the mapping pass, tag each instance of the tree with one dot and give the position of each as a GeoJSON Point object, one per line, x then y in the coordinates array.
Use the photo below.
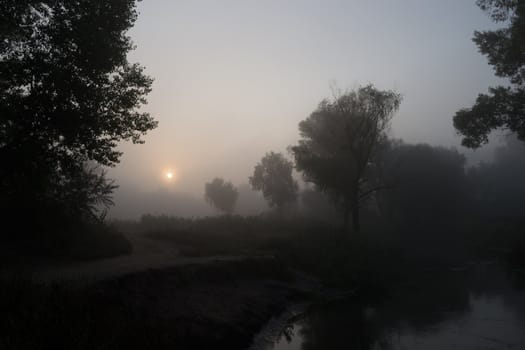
{"type": "Point", "coordinates": [318, 205]}
{"type": "Point", "coordinates": [503, 107]}
{"type": "Point", "coordinates": [221, 194]}
{"type": "Point", "coordinates": [339, 142]}
{"type": "Point", "coordinates": [497, 187]}
{"type": "Point", "coordinates": [273, 176]}
{"type": "Point", "coordinates": [68, 95]}
{"type": "Point", "coordinates": [428, 184]}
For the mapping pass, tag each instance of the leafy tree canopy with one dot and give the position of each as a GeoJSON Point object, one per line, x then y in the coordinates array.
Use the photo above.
{"type": "Point", "coordinates": [427, 183]}
{"type": "Point", "coordinates": [273, 176]}
{"type": "Point", "coordinates": [503, 107]}
{"type": "Point", "coordinates": [68, 94]}
{"type": "Point", "coordinates": [221, 194]}
{"type": "Point", "coordinates": [339, 142]}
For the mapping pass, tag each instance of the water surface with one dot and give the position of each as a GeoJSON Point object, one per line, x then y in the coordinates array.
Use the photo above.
{"type": "Point", "coordinates": [479, 307]}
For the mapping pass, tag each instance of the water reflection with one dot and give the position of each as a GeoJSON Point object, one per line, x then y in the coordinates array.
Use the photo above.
{"type": "Point", "coordinates": [476, 308]}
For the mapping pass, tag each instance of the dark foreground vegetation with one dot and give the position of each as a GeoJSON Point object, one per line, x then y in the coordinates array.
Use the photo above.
{"type": "Point", "coordinates": [223, 304]}
{"type": "Point", "coordinates": [192, 307]}
{"type": "Point", "coordinates": [376, 257]}
{"type": "Point", "coordinates": [68, 95]}
{"type": "Point", "coordinates": [88, 242]}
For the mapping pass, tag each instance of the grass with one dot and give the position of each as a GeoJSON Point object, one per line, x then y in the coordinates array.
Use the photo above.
{"type": "Point", "coordinates": [375, 257]}
{"type": "Point", "coordinates": [227, 235]}
{"type": "Point", "coordinates": [190, 307]}
{"type": "Point", "coordinates": [84, 242]}
{"type": "Point", "coordinates": [338, 258]}
{"type": "Point", "coordinates": [103, 242]}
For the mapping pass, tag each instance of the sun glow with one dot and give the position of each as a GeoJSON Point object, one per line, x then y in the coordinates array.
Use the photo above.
{"type": "Point", "coordinates": [169, 175]}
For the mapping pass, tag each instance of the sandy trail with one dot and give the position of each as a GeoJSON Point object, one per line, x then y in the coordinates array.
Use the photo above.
{"type": "Point", "coordinates": [147, 254]}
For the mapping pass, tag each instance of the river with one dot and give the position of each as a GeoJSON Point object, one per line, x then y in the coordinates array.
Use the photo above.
{"type": "Point", "coordinates": [477, 306]}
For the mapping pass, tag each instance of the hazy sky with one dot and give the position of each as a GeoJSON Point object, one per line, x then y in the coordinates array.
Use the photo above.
{"type": "Point", "coordinates": [234, 78]}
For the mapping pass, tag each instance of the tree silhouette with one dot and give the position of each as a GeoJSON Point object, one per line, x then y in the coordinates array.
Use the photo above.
{"type": "Point", "coordinates": [221, 194]}
{"type": "Point", "coordinates": [68, 95]}
{"type": "Point", "coordinates": [339, 142]}
{"type": "Point", "coordinates": [428, 183]}
{"type": "Point", "coordinates": [273, 176]}
{"type": "Point", "coordinates": [503, 107]}
{"type": "Point", "coordinates": [497, 187]}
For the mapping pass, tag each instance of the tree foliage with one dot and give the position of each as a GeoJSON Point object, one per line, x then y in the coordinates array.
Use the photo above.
{"type": "Point", "coordinates": [427, 183]}
{"type": "Point", "coordinates": [339, 143]}
{"type": "Point", "coordinates": [221, 194]}
{"type": "Point", "coordinates": [497, 188]}
{"type": "Point", "coordinates": [68, 95]}
{"type": "Point", "coordinates": [318, 205]}
{"type": "Point", "coordinates": [273, 176]}
{"type": "Point", "coordinates": [502, 107]}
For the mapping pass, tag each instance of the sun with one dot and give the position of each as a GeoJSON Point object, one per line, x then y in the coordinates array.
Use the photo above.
{"type": "Point", "coordinates": [169, 175]}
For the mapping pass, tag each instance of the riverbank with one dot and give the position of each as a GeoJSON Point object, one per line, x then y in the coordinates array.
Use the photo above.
{"type": "Point", "coordinates": [173, 291]}
{"type": "Point", "coordinates": [220, 304]}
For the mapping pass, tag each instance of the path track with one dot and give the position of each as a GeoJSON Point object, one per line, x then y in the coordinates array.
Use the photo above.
{"type": "Point", "coordinates": [147, 254]}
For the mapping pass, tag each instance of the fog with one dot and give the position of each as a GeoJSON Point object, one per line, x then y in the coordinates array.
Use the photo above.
{"type": "Point", "coordinates": [262, 175]}
{"type": "Point", "coordinates": [234, 78]}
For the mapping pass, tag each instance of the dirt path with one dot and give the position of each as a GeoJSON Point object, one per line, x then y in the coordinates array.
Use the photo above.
{"type": "Point", "coordinates": [147, 254]}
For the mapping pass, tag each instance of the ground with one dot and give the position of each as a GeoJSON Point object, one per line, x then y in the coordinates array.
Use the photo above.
{"type": "Point", "coordinates": [146, 254]}
{"type": "Point", "coordinates": [153, 297]}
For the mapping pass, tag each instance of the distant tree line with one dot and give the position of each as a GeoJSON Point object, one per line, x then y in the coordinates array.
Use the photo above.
{"type": "Point", "coordinates": [350, 166]}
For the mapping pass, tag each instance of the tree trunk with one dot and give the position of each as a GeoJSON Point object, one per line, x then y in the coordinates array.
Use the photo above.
{"type": "Point", "coordinates": [351, 207]}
